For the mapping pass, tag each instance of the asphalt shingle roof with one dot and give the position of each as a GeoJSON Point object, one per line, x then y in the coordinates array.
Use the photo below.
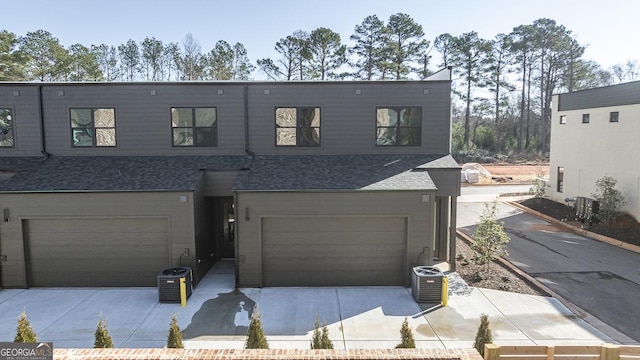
{"type": "Point", "coordinates": [265, 173]}
{"type": "Point", "coordinates": [342, 172]}
{"type": "Point", "coordinates": [111, 173]}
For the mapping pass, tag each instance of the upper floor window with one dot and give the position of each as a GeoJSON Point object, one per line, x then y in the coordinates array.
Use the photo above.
{"type": "Point", "coordinates": [194, 126]}
{"type": "Point", "coordinates": [6, 128]}
{"type": "Point", "coordinates": [93, 127]}
{"type": "Point", "coordinates": [585, 118]}
{"type": "Point", "coordinates": [298, 126]}
{"type": "Point", "coordinates": [563, 119]}
{"type": "Point", "coordinates": [398, 126]}
{"type": "Point", "coordinates": [613, 116]}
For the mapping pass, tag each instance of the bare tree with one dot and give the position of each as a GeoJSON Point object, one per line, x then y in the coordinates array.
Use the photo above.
{"type": "Point", "coordinates": [191, 60]}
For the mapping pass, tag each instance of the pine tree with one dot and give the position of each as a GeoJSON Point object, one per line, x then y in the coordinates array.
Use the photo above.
{"type": "Point", "coordinates": [25, 333]}
{"type": "Point", "coordinates": [407, 337]}
{"type": "Point", "coordinates": [320, 338]}
{"type": "Point", "coordinates": [174, 340]}
{"type": "Point", "coordinates": [102, 337]}
{"type": "Point", "coordinates": [484, 334]}
{"type": "Point", "coordinates": [255, 334]}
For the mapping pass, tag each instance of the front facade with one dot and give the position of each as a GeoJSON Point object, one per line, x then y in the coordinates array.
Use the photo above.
{"type": "Point", "coordinates": [305, 183]}
{"type": "Point", "coordinates": [594, 133]}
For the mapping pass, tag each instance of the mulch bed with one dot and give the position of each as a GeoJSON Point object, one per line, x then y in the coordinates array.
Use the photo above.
{"type": "Point", "coordinates": [625, 228]}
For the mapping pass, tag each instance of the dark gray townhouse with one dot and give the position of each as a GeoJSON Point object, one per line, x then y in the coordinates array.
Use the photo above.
{"type": "Point", "coordinates": [301, 183]}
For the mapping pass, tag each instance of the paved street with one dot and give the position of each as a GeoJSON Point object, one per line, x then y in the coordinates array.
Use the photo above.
{"type": "Point", "coordinates": [601, 279]}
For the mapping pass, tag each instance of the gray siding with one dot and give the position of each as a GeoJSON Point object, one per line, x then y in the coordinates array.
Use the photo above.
{"type": "Point", "coordinates": [25, 207]}
{"type": "Point", "coordinates": [143, 127]}
{"type": "Point", "coordinates": [219, 183]}
{"type": "Point", "coordinates": [447, 181]}
{"type": "Point", "coordinates": [615, 95]}
{"type": "Point", "coordinates": [347, 119]}
{"type": "Point", "coordinates": [143, 121]}
{"type": "Point", "coordinates": [26, 119]}
{"type": "Point", "coordinates": [253, 207]}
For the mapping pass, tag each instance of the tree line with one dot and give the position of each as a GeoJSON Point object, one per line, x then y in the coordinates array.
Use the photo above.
{"type": "Point", "coordinates": [502, 86]}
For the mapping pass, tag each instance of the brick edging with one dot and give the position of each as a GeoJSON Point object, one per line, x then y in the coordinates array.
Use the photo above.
{"type": "Point", "coordinates": [589, 234]}
{"type": "Point", "coordinates": [278, 354]}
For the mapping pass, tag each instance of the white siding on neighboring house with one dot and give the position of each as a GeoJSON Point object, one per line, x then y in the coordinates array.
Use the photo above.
{"type": "Point", "coordinates": [590, 151]}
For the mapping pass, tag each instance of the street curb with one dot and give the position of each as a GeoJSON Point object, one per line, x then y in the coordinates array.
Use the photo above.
{"type": "Point", "coordinates": [528, 278]}
{"type": "Point", "coordinates": [589, 234]}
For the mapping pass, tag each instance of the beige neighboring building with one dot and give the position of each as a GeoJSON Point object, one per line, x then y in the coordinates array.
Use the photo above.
{"type": "Point", "coordinates": [595, 133]}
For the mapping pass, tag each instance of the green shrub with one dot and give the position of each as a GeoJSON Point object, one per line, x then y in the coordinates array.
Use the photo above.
{"type": "Point", "coordinates": [255, 334]}
{"type": "Point", "coordinates": [25, 333]}
{"type": "Point", "coordinates": [611, 200]}
{"type": "Point", "coordinates": [484, 334]}
{"type": "Point", "coordinates": [407, 337]}
{"type": "Point", "coordinates": [320, 338]}
{"type": "Point", "coordinates": [102, 337]}
{"type": "Point", "coordinates": [174, 340]}
{"type": "Point", "coordinates": [490, 237]}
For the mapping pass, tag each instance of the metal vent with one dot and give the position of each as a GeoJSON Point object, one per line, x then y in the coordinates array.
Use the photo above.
{"type": "Point", "coordinates": [169, 284]}
{"type": "Point", "coordinates": [426, 284]}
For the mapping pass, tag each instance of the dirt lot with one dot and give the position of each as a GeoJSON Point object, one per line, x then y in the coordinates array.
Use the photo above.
{"type": "Point", "coordinates": [508, 173]}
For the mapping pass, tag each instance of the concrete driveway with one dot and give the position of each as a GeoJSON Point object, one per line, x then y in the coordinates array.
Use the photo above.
{"type": "Point", "coordinates": [217, 316]}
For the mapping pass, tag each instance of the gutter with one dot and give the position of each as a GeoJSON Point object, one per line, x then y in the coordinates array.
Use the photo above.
{"type": "Point", "coordinates": [246, 121]}
{"type": "Point", "coordinates": [43, 143]}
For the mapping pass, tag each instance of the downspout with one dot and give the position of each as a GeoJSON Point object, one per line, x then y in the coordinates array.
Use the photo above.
{"type": "Point", "coordinates": [43, 143]}
{"type": "Point", "coordinates": [246, 121]}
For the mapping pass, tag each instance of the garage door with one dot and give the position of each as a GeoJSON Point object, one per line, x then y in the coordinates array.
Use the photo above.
{"type": "Point", "coordinates": [96, 252]}
{"type": "Point", "coordinates": [336, 251]}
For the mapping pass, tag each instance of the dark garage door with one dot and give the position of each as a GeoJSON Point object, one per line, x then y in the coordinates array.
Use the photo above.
{"type": "Point", "coordinates": [333, 251]}
{"type": "Point", "coordinates": [96, 252]}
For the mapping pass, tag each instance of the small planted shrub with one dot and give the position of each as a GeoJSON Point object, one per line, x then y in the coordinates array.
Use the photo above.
{"type": "Point", "coordinates": [540, 187]}
{"type": "Point", "coordinates": [611, 199]}
{"type": "Point", "coordinates": [320, 338]}
{"type": "Point", "coordinates": [255, 334]}
{"type": "Point", "coordinates": [174, 340]}
{"type": "Point", "coordinates": [484, 334]}
{"type": "Point", "coordinates": [407, 337]}
{"type": "Point", "coordinates": [490, 236]}
{"type": "Point", "coordinates": [102, 337]}
{"type": "Point", "coordinates": [25, 333]}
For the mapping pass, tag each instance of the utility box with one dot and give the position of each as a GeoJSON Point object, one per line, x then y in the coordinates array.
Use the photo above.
{"type": "Point", "coordinates": [169, 284]}
{"type": "Point", "coordinates": [586, 208]}
{"type": "Point", "coordinates": [426, 284]}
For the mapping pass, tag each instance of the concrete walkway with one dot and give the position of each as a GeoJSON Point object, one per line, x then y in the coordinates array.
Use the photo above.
{"type": "Point", "coordinates": [217, 316]}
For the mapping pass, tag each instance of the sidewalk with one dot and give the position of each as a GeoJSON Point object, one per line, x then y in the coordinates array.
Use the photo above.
{"type": "Point", "coordinates": [216, 316]}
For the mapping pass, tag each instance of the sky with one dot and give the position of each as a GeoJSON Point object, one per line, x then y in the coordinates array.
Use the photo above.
{"type": "Point", "coordinates": [609, 28]}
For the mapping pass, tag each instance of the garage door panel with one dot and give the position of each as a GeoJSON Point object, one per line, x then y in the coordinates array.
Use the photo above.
{"type": "Point", "coordinates": [96, 252]}
{"type": "Point", "coordinates": [302, 251]}
{"type": "Point", "coordinates": [332, 224]}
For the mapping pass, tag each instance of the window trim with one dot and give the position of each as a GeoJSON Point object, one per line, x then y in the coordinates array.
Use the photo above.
{"type": "Point", "coordinates": [397, 127]}
{"type": "Point", "coordinates": [612, 118]}
{"type": "Point", "coordinates": [93, 127]}
{"type": "Point", "coordinates": [12, 129]}
{"type": "Point", "coordinates": [193, 126]}
{"type": "Point", "coordinates": [586, 118]}
{"type": "Point", "coordinates": [297, 127]}
{"type": "Point", "coordinates": [563, 119]}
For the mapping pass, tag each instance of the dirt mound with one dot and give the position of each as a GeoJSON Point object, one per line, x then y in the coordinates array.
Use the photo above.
{"type": "Point", "coordinates": [507, 173]}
